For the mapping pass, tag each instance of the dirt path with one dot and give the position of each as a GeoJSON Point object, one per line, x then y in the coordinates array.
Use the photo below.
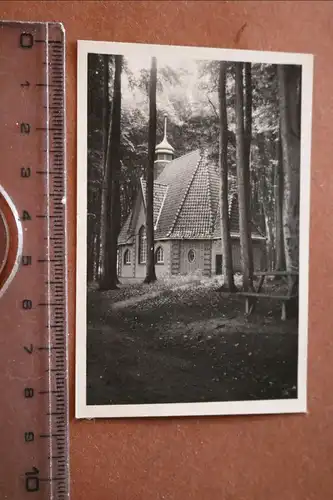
{"type": "Point", "coordinates": [138, 367]}
{"type": "Point", "coordinates": [147, 296]}
{"type": "Point", "coordinates": [186, 343]}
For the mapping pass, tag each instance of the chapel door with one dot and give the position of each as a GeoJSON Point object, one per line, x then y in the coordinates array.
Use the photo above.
{"type": "Point", "coordinates": [218, 264]}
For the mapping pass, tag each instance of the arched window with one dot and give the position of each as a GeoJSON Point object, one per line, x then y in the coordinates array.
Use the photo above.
{"type": "Point", "coordinates": [191, 256]}
{"type": "Point", "coordinates": [127, 257]}
{"type": "Point", "coordinates": [142, 245]}
{"type": "Point", "coordinates": [159, 255]}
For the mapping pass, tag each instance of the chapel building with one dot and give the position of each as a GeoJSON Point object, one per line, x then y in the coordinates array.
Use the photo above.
{"type": "Point", "coordinates": [187, 225]}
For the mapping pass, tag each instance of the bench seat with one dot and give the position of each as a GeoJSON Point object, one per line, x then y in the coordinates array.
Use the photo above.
{"type": "Point", "coordinates": [282, 298]}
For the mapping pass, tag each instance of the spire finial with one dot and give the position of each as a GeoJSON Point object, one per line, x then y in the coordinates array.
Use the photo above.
{"type": "Point", "coordinates": [165, 125]}
{"type": "Point", "coordinates": [164, 151]}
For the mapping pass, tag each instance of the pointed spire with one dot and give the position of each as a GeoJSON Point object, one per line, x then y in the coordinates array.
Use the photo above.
{"type": "Point", "coordinates": [164, 148]}
{"type": "Point", "coordinates": [165, 126]}
{"type": "Point", "coordinates": [164, 152]}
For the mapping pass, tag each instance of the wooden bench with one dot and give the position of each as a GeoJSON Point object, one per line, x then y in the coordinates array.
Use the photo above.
{"type": "Point", "coordinates": [284, 299]}
{"type": "Point", "coordinates": [252, 297]}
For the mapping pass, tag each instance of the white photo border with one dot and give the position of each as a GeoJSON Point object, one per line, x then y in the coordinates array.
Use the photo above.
{"type": "Point", "coordinates": [297, 405]}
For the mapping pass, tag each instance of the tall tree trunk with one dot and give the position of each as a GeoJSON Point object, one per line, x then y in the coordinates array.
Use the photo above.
{"type": "Point", "coordinates": [150, 269]}
{"type": "Point", "coordinates": [110, 278]}
{"type": "Point", "coordinates": [248, 115]}
{"type": "Point", "coordinates": [106, 138]}
{"type": "Point", "coordinates": [267, 212]}
{"type": "Point", "coordinates": [265, 154]}
{"type": "Point", "coordinates": [92, 228]}
{"type": "Point", "coordinates": [90, 248]}
{"type": "Point", "coordinates": [98, 233]}
{"type": "Point", "coordinates": [93, 67]}
{"type": "Point", "coordinates": [289, 99]}
{"type": "Point", "coordinates": [280, 261]}
{"type": "Point", "coordinates": [248, 140]}
{"type": "Point", "coordinates": [228, 273]}
{"type": "Point", "coordinates": [96, 201]}
{"type": "Point", "coordinates": [243, 183]}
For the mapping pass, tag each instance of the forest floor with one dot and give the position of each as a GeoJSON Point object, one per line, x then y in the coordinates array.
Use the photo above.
{"type": "Point", "coordinates": [181, 340]}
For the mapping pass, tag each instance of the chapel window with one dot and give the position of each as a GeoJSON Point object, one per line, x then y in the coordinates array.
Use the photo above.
{"type": "Point", "coordinates": [159, 256]}
{"type": "Point", "coordinates": [127, 257]}
{"type": "Point", "coordinates": [142, 245]}
{"type": "Point", "coordinates": [191, 256]}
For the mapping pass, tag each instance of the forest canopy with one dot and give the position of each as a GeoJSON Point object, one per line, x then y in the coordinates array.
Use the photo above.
{"type": "Point", "coordinates": [187, 92]}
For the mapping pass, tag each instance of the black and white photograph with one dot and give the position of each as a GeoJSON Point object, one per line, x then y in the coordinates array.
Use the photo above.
{"type": "Point", "coordinates": [193, 203]}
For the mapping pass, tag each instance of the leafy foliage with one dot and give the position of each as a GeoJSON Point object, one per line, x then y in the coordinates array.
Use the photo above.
{"type": "Point", "coordinates": [188, 95]}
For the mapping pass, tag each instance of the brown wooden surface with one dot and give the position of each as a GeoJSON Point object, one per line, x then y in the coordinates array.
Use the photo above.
{"type": "Point", "coordinates": [228, 458]}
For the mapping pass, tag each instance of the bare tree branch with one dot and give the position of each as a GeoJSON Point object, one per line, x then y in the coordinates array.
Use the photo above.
{"type": "Point", "coordinates": [213, 107]}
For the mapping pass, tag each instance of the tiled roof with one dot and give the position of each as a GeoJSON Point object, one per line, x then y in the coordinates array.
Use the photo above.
{"type": "Point", "coordinates": [186, 201]}
{"type": "Point", "coordinates": [197, 211]}
{"type": "Point", "coordinates": [233, 218]}
{"type": "Point", "coordinates": [127, 231]}
{"type": "Point", "coordinates": [126, 235]}
{"type": "Point", "coordinates": [177, 175]}
{"type": "Point", "coordinates": [160, 191]}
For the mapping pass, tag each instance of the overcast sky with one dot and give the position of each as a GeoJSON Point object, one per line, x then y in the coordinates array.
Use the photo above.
{"type": "Point", "coordinates": [187, 91]}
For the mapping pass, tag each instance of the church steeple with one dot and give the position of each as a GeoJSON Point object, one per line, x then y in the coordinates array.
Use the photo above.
{"type": "Point", "coordinates": [164, 152]}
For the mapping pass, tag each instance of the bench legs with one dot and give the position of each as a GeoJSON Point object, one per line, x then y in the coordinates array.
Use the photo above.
{"type": "Point", "coordinates": [290, 308]}
{"type": "Point", "coordinates": [249, 305]}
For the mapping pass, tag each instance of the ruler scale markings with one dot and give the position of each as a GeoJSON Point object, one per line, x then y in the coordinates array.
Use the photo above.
{"type": "Point", "coordinates": [43, 62]}
{"type": "Point", "coordinates": [48, 248]}
{"type": "Point", "coordinates": [57, 184]}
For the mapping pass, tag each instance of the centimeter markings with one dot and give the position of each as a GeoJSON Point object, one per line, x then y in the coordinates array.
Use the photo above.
{"type": "Point", "coordinates": [57, 270]}
{"type": "Point", "coordinates": [33, 72]}
{"type": "Point", "coordinates": [54, 260]}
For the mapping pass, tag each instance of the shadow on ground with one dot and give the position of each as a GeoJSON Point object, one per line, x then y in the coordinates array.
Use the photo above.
{"type": "Point", "coordinates": [186, 342]}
